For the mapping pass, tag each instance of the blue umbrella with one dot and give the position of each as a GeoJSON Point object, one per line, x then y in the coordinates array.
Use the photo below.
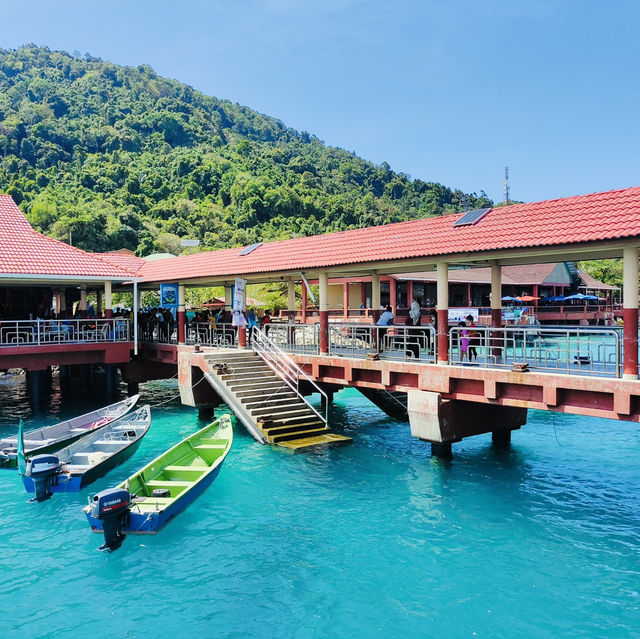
{"type": "Point", "coordinates": [580, 296]}
{"type": "Point", "coordinates": [508, 298]}
{"type": "Point", "coordinates": [557, 298]}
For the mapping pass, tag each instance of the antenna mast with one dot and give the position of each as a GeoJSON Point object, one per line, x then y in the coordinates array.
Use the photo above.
{"type": "Point", "coordinates": [506, 185]}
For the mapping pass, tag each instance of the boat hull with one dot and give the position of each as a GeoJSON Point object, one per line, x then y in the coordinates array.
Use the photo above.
{"type": "Point", "coordinates": [150, 524]}
{"type": "Point", "coordinates": [75, 482]}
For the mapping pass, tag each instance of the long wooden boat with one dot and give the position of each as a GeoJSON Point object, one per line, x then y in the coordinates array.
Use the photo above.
{"type": "Point", "coordinates": [50, 438]}
{"type": "Point", "coordinates": [81, 463]}
{"type": "Point", "coordinates": [146, 501]}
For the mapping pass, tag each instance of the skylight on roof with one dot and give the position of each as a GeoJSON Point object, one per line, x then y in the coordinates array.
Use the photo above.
{"type": "Point", "coordinates": [250, 249]}
{"type": "Point", "coordinates": [471, 217]}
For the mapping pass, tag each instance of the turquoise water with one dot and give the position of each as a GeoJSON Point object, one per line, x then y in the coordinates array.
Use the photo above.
{"type": "Point", "coordinates": [372, 540]}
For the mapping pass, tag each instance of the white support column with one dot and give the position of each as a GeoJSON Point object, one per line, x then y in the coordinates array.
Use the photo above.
{"type": "Point", "coordinates": [291, 295]}
{"type": "Point", "coordinates": [82, 306]}
{"type": "Point", "coordinates": [630, 312]}
{"type": "Point", "coordinates": [375, 291]}
{"type": "Point", "coordinates": [135, 317]}
{"type": "Point", "coordinates": [323, 281]}
{"type": "Point", "coordinates": [108, 299]}
{"type": "Point", "coordinates": [228, 300]}
{"type": "Point", "coordinates": [496, 294]}
{"type": "Point", "coordinates": [323, 305]}
{"type": "Point", "coordinates": [442, 311]}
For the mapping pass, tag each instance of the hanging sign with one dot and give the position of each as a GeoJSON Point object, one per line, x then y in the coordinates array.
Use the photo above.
{"type": "Point", "coordinates": [238, 294]}
{"type": "Point", "coordinates": [168, 295]}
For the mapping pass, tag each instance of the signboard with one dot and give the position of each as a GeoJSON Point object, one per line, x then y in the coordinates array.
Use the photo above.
{"type": "Point", "coordinates": [168, 295]}
{"type": "Point", "coordinates": [238, 294]}
{"type": "Point", "coordinates": [457, 315]}
{"type": "Point", "coordinates": [189, 242]}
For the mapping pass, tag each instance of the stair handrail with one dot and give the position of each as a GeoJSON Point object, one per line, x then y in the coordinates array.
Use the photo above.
{"type": "Point", "coordinates": [288, 370]}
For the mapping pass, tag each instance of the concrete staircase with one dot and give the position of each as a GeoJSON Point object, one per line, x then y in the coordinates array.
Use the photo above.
{"type": "Point", "coordinates": [271, 410]}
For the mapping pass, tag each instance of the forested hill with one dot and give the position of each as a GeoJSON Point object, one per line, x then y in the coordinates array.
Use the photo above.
{"type": "Point", "coordinates": [121, 157]}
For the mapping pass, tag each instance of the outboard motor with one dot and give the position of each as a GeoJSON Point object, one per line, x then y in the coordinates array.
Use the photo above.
{"type": "Point", "coordinates": [43, 470]}
{"type": "Point", "coordinates": [112, 507]}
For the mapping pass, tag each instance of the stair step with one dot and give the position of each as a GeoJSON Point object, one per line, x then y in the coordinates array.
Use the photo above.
{"type": "Point", "coordinates": [275, 400]}
{"type": "Point", "coordinates": [245, 384]}
{"type": "Point", "coordinates": [295, 419]}
{"type": "Point", "coordinates": [282, 430]}
{"type": "Point", "coordinates": [328, 439]}
{"type": "Point", "coordinates": [258, 393]}
{"type": "Point", "coordinates": [245, 377]}
{"type": "Point", "coordinates": [282, 410]}
{"type": "Point", "coordinates": [300, 435]}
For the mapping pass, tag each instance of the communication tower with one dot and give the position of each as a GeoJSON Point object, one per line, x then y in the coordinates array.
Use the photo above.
{"type": "Point", "coordinates": [506, 185]}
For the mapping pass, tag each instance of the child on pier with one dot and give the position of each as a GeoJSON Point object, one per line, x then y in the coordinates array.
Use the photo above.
{"type": "Point", "coordinates": [464, 341]}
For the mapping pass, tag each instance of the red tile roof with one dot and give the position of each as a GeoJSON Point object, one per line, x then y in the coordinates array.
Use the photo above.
{"type": "Point", "coordinates": [511, 275]}
{"type": "Point", "coordinates": [24, 251]}
{"type": "Point", "coordinates": [588, 218]}
{"type": "Point", "coordinates": [127, 260]}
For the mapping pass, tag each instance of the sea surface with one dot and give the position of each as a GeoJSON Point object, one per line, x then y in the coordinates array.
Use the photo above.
{"type": "Point", "coordinates": [376, 539]}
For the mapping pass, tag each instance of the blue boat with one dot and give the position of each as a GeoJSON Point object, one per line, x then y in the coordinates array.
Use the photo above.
{"type": "Point", "coordinates": [50, 438]}
{"type": "Point", "coordinates": [150, 498]}
{"type": "Point", "coordinates": [81, 463]}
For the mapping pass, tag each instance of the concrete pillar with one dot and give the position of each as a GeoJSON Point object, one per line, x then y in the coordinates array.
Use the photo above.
{"type": "Point", "coordinates": [375, 296]}
{"type": "Point", "coordinates": [133, 388]}
{"type": "Point", "coordinates": [323, 281]}
{"type": "Point", "coordinates": [205, 412]}
{"type": "Point", "coordinates": [99, 312]}
{"type": "Point", "coordinates": [393, 296]}
{"type": "Point", "coordinates": [501, 437]}
{"type": "Point", "coordinates": [62, 297]}
{"type": "Point", "coordinates": [181, 314]}
{"type": "Point", "coordinates": [630, 313]}
{"type": "Point", "coordinates": [108, 300]}
{"type": "Point", "coordinates": [443, 421]}
{"type": "Point", "coordinates": [228, 297]}
{"type": "Point", "coordinates": [345, 301]}
{"type": "Point", "coordinates": [496, 295]}
{"type": "Point", "coordinates": [82, 306]}
{"type": "Point", "coordinates": [363, 294]}
{"type": "Point", "coordinates": [291, 297]}
{"type": "Point", "coordinates": [305, 302]}
{"type": "Point", "coordinates": [468, 295]}
{"type": "Point", "coordinates": [442, 309]}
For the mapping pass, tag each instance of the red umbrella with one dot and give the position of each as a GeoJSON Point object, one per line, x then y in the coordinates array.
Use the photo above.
{"type": "Point", "coordinates": [528, 298]}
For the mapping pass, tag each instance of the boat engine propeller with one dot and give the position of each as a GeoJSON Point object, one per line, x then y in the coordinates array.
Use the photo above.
{"type": "Point", "coordinates": [43, 470]}
{"type": "Point", "coordinates": [112, 507]}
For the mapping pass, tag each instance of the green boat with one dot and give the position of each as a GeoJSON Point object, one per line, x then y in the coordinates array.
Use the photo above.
{"type": "Point", "coordinates": [146, 501]}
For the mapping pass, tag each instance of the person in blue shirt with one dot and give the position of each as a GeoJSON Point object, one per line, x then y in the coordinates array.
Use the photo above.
{"type": "Point", "coordinates": [386, 319]}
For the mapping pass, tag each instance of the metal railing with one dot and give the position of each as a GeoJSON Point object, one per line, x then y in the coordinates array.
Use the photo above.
{"type": "Point", "coordinates": [72, 331]}
{"type": "Point", "coordinates": [214, 335]}
{"type": "Point", "coordinates": [282, 364]}
{"type": "Point", "coordinates": [575, 350]}
{"type": "Point", "coordinates": [160, 332]}
{"type": "Point", "coordinates": [296, 338]}
{"type": "Point", "coordinates": [391, 342]}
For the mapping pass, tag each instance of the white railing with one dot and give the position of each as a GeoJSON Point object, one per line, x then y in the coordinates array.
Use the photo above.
{"type": "Point", "coordinates": [287, 370]}
{"type": "Point", "coordinates": [393, 342]}
{"type": "Point", "coordinates": [72, 331]}
{"type": "Point", "coordinates": [575, 350]}
{"type": "Point", "coordinates": [297, 338]}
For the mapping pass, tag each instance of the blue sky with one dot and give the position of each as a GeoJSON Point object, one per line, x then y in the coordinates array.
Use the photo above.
{"type": "Point", "coordinates": [448, 91]}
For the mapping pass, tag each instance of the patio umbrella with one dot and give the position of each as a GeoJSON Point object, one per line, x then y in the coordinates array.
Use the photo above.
{"type": "Point", "coordinates": [508, 298]}
{"type": "Point", "coordinates": [580, 296]}
{"type": "Point", "coordinates": [557, 298]}
{"type": "Point", "coordinates": [528, 298]}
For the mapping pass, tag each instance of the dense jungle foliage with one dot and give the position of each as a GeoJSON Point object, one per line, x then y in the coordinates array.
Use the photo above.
{"type": "Point", "coordinates": [119, 157]}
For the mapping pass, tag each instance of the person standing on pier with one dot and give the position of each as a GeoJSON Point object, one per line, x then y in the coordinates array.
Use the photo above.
{"type": "Point", "coordinates": [473, 339]}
